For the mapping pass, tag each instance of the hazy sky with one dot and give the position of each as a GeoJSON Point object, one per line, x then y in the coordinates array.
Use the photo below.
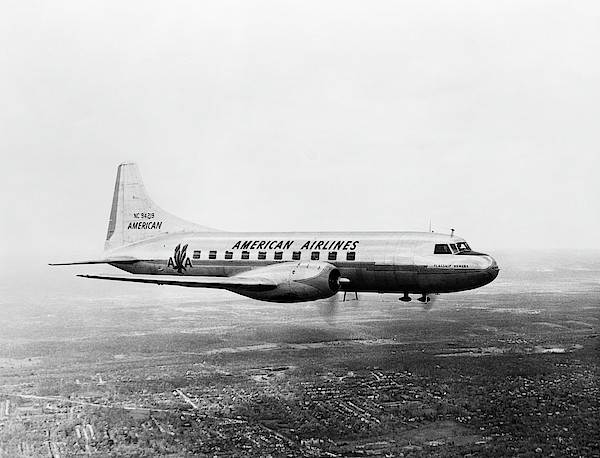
{"type": "Point", "coordinates": [271, 115]}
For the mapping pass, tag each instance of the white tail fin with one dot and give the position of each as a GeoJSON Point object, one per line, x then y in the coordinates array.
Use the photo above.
{"type": "Point", "coordinates": [134, 217]}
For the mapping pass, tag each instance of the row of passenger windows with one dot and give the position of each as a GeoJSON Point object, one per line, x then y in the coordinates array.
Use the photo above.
{"type": "Point", "coordinates": [278, 255]}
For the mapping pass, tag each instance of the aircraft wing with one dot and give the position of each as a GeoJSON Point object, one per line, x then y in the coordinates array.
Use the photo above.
{"type": "Point", "coordinates": [250, 283]}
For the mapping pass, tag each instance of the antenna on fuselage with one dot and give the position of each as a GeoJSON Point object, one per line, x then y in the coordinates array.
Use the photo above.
{"type": "Point", "coordinates": [449, 229]}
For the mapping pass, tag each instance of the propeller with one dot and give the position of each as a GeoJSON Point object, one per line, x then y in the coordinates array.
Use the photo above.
{"type": "Point", "coordinates": [328, 309]}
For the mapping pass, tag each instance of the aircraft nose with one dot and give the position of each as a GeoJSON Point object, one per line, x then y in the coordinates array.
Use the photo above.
{"type": "Point", "coordinates": [493, 269]}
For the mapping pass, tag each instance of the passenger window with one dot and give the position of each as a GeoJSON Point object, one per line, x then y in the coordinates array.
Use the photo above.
{"type": "Point", "coordinates": [314, 256]}
{"type": "Point", "coordinates": [278, 255]}
{"type": "Point", "coordinates": [296, 255]}
{"type": "Point", "coordinates": [228, 255]}
{"type": "Point", "coordinates": [442, 249]}
{"type": "Point", "coordinates": [262, 255]}
{"type": "Point", "coordinates": [212, 255]}
{"type": "Point", "coordinates": [245, 255]}
{"type": "Point", "coordinates": [196, 255]}
{"type": "Point", "coordinates": [350, 256]}
{"type": "Point", "coordinates": [332, 256]}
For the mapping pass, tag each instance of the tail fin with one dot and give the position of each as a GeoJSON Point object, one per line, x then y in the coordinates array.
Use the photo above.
{"type": "Point", "coordinates": [134, 217]}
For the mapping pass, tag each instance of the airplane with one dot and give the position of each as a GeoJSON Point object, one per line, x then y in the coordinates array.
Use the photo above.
{"type": "Point", "coordinates": [157, 247]}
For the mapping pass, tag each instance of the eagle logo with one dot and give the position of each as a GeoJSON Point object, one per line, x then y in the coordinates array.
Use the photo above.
{"type": "Point", "coordinates": [180, 261]}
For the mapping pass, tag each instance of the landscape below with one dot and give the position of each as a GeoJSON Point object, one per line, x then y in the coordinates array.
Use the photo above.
{"type": "Point", "coordinates": [512, 369]}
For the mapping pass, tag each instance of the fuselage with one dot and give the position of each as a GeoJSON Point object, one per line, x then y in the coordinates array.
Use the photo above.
{"type": "Point", "coordinates": [391, 262]}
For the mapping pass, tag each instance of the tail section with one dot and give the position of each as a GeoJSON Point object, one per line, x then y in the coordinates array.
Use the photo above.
{"type": "Point", "coordinates": [134, 217]}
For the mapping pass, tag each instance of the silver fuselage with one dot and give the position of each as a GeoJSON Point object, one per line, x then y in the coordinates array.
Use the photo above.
{"type": "Point", "coordinates": [391, 262]}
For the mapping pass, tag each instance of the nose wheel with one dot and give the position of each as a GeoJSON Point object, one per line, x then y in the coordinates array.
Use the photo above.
{"type": "Point", "coordinates": [424, 298]}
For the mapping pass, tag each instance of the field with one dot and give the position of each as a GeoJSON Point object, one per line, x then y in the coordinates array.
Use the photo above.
{"type": "Point", "coordinates": [90, 368]}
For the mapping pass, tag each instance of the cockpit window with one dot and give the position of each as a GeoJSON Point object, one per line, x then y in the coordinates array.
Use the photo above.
{"type": "Point", "coordinates": [453, 246]}
{"type": "Point", "coordinates": [463, 246]}
{"type": "Point", "coordinates": [442, 249]}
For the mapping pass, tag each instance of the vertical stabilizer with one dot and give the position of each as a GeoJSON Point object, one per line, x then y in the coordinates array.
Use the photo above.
{"type": "Point", "coordinates": [133, 215]}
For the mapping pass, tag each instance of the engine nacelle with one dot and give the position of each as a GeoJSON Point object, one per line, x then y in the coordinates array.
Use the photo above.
{"type": "Point", "coordinates": [296, 282]}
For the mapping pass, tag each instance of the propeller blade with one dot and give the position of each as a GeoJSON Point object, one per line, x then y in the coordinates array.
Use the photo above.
{"type": "Point", "coordinates": [328, 309]}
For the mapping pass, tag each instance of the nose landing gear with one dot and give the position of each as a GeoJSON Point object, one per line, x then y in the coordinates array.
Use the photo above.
{"type": "Point", "coordinates": [424, 298]}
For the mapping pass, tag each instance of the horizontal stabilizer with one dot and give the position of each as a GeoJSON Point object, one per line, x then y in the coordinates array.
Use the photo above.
{"type": "Point", "coordinates": [112, 260]}
{"type": "Point", "coordinates": [254, 284]}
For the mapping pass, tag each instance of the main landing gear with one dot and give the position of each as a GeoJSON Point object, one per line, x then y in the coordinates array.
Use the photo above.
{"type": "Point", "coordinates": [355, 295]}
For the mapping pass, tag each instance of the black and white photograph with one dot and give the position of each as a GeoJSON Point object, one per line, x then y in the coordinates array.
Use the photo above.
{"type": "Point", "coordinates": [300, 229]}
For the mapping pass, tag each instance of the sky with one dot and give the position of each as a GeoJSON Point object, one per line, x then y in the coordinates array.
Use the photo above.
{"type": "Point", "coordinates": [302, 116]}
